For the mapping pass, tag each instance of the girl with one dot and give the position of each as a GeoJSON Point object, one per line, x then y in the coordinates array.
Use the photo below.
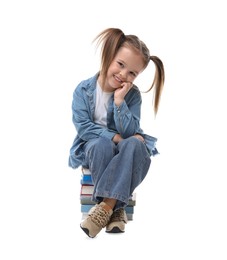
{"type": "Point", "coordinates": [106, 113]}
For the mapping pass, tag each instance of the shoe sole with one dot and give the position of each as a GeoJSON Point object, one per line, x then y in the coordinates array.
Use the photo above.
{"type": "Point", "coordinates": [86, 231]}
{"type": "Point", "coordinates": [115, 230]}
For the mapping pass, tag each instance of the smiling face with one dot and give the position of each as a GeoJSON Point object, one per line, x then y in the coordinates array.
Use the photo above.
{"type": "Point", "coordinates": [125, 67]}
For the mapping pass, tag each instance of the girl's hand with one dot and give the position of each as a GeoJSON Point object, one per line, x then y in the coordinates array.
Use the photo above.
{"type": "Point", "coordinates": [139, 137]}
{"type": "Point", "coordinates": [117, 138]}
{"type": "Point", "coordinates": [121, 92]}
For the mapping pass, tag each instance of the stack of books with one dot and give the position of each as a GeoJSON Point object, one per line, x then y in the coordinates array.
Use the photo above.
{"type": "Point", "coordinates": [86, 191]}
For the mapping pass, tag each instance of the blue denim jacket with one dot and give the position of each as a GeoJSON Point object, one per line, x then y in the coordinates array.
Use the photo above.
{"type": "Point", "coordinates": [124, 119]}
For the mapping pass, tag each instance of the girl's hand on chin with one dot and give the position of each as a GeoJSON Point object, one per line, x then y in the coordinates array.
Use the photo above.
{"type": "Point", "coordinates": [121, 92]}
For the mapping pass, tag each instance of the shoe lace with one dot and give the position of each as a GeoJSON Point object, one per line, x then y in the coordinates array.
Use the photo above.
{"type": "Point", "coordinates": [100, 216]}
{"type": "Point", "coordinates": [118, 215]}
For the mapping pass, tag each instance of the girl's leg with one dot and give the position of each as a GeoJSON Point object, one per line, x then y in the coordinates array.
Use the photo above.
{"type": "Point", "coordinates": [116, 173]}
{"type": "Point", "coordinates": [124, 172]}
{"type": "Point", "coordinates": [98, 153]}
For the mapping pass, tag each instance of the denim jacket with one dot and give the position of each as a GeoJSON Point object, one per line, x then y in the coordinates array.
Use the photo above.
{"type": "Point", "coordinates": [124, 119]}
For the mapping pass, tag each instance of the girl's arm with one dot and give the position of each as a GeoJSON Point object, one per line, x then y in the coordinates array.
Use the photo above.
{"type": "Point", "coordinates": [83, 121]}
{"type": "Point", "coordinates": [127, 115]}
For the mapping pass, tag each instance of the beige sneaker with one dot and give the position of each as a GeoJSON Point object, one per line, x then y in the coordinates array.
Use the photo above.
{"type": "Point", "coordinates": [98, 217]}
{"type": "Point", "coordinates": [117, 222]}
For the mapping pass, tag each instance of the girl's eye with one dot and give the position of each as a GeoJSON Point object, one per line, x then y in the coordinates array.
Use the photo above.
{"type": "Point", "coordinates": [133, 74]}
{"type": "Point", "coordinates": [121, 64]}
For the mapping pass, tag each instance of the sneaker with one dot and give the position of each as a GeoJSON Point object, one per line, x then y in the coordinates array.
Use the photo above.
{"type": "Point", "coordinates": [98, 217]}
{"type": "Point", "coordinates": [117, 221]}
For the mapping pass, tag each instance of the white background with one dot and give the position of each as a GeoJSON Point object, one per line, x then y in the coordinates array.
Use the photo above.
{"type": "Point", "coordinates": [45, 51]}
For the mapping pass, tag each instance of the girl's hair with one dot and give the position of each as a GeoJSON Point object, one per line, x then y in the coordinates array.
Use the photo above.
{"type": "Point", "coordinates": [112, 39]}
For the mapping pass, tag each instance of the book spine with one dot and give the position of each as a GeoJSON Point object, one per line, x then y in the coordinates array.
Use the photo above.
{"type": "Point", "coordinates": [87, 199]}
{"type": "Point", "coordinates": [87, 207]}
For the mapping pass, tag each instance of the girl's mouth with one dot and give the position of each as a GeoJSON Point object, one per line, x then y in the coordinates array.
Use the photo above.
{"type": "Point", "coordinates": [118, 79]}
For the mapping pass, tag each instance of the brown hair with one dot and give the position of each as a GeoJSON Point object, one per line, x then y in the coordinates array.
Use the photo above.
{"type": "Point", "coordinates": [112, 39]}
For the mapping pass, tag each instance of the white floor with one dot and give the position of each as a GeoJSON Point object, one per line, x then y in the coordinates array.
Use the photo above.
{"type": "Point", "coordinates": [177, 216]}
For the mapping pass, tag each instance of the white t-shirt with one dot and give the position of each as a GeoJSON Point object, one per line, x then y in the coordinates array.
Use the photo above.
{"type": "Point", "coordinates": [101, 105]}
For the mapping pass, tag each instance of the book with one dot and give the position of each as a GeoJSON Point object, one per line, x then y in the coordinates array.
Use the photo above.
{"type": "Point", "coordinates": [86, 189]}
{"type": "Point", "coordinates": [87, 199]}
{"type": "Point", "coordinates": [86, 207]}
{"type": "Point", "coordinates": [86, 179]}
{"type": "Point", "coordinates": [86, 171]}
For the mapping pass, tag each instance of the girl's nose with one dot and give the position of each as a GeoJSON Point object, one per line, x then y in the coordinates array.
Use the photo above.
{"type": "Point", "coordinates": [123, 74]}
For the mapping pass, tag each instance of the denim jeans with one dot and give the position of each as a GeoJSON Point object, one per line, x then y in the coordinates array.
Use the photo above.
{"type": "Point", "coordinates": [116, 169]}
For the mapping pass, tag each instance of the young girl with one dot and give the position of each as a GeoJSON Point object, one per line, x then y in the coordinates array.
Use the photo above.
{"type": "Point", "coordinates": [110, 143]}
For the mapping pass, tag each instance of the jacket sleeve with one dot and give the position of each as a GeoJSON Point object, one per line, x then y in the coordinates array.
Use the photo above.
{"type": "Point", "coordinates": [127, 115]}
{"type": "Point", "coordinates": [82, 118]}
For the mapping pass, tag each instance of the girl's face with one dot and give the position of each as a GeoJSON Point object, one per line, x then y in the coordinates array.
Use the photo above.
{"type": "Point", "coordinates": [125, 67]}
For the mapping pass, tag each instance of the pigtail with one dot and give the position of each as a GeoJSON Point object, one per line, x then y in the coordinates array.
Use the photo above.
{"type": "Point", "coordinates": [110, 40]}
{"type": "Point", "coordinates": [158, 81]}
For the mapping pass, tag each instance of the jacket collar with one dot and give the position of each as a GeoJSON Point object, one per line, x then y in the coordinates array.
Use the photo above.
{"type": "Point", "coordinates": [91, 87]}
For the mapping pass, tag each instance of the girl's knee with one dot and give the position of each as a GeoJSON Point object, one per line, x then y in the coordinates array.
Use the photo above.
{"type": "Point", "coordinates": [133, 144]}
{"type": "Point", "coordinates": [133, 141]}
{"type": "Point", "coordinates": [103, 144]}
